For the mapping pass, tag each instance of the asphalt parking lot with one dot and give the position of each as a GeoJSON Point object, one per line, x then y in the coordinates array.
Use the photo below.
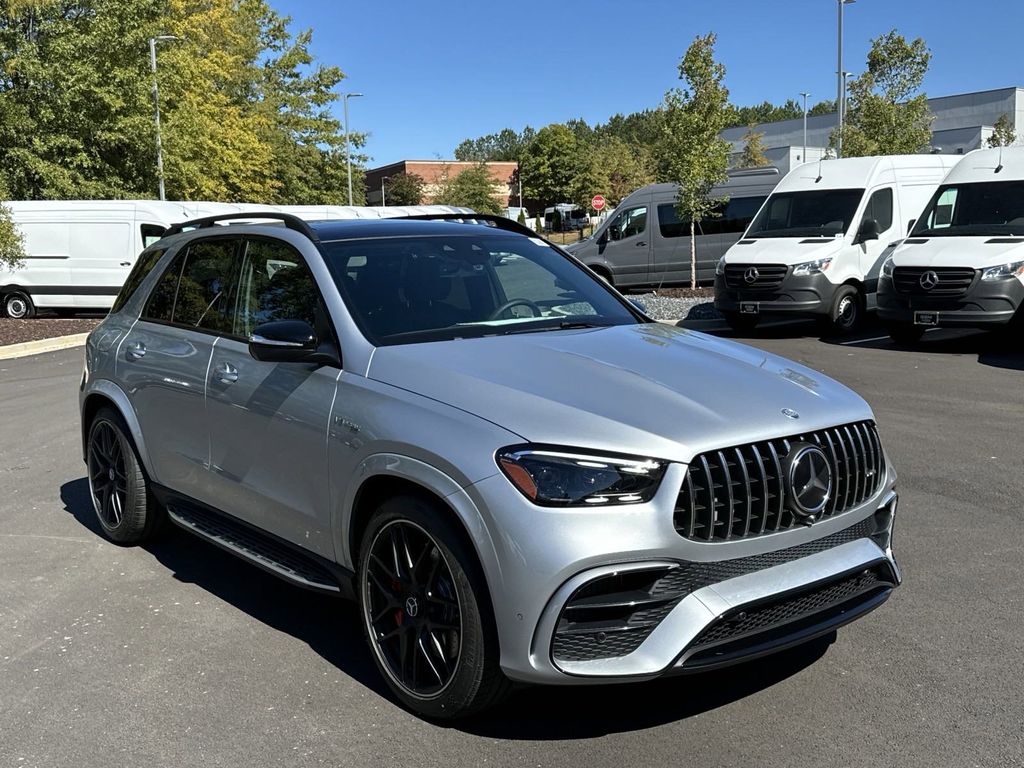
{"type": "Point", "coordinates": [178, 654]}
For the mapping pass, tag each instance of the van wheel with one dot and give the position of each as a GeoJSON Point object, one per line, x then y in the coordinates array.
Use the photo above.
{"type": "Point", "coordinates": [603, 274]}
{"type": "Point", "coordinates": [846, 313]}
{"type": "Point", "coordinates": [904, 333]}
{"type": "Point", "coordinates": [741, 323]}
{"type": "Point", "coordinates": [19, 306]}
{"type": "Point", "coordinates": [426, 612]}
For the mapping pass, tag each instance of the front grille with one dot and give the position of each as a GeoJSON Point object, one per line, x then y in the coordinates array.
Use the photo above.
{"type": "Point", "coordinates": [779, 619]}
{"type": "Point", "coordinates": [769, 276]}
{"type": "Point", "coordinates": [951, 281]}
{"type": "Point", "coordinates": [739, 492]}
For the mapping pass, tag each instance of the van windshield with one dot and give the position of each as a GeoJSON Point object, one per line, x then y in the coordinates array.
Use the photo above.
{"type": "Point", "coordinates": [814, 213]}
{"type": "Point", "coordinates": [981, 208]}
{"type": "Point", "coordinates": [402, 290]}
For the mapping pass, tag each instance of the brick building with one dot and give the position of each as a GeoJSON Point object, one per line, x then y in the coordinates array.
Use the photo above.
{"type": "Point", "coordinates": [433, 171]}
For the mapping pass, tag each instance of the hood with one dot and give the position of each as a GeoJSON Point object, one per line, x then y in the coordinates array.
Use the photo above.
{"type": "Point", "coordinates": [783, 250]}
{"type": "Point", "coordinates": [651, 389]}
{"type": "Point", "coordinates": [973, 252]}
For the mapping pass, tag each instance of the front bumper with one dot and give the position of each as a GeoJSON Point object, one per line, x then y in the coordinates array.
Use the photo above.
{"type": "Point", "coordinates": [807, 295]}
{"type": "Point", "coordinates": [986, 303]}
{"type": "Point", "coordinates": [740, 604]}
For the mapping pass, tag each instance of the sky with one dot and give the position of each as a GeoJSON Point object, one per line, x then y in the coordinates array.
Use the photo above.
{"type": "Point", "coordinates": [435, 73]}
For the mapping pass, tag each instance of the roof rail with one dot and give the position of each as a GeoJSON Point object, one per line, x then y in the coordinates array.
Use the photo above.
{"type": "Point", "coordinates": [290, 221]}
{"type": "Point", "coordinates": [499, 222]}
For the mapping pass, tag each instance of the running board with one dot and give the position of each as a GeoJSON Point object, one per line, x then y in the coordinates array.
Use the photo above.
{"type": "Point", "coordinates": [259, 549]}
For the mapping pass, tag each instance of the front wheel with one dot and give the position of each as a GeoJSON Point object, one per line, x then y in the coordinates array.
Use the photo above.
{"type": "Point", "coordinates": [904, 333]}
{"type": "Point", "coordinates": [740, 323]}
{"type": "Point", "coordinates": [426, 612]}
{"type": "Point", "coordinates": [19, 306]}
{"type": "Point", "coordinates": [846, 313]}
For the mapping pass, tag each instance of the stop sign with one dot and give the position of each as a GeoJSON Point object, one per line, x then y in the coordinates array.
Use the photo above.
{"type": "Point", "coordinates": [597, 203]}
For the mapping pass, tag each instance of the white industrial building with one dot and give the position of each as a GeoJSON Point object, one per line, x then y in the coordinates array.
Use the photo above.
{"type": "Point", "coordinates": [961, 123]}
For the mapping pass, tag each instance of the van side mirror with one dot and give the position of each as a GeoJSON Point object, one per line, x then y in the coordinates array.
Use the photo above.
{"type": "Point", "coordinates": [868, 231]}
{"type": "Point", "coordinates": [284, 341]}
{"type": "Point", "coordinates": [614, 232]}
{"type": "Point", "coordinates": [910, 225]}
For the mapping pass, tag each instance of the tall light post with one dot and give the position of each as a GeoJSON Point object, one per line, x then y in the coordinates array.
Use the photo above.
{"type": "Point", "coordinates": [156, 104]}
{"type": "Point", "coordinates": [348, 158]}
{"type": "Point", "coordinates": [840, 82]}
{"type": "Point", "coordinates": [804, 156]}
{"type": "Point", "coordinates": [383, 202]}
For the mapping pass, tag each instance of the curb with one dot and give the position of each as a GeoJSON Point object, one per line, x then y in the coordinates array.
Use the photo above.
{"type": "Point", "coordinates": [39, 346]}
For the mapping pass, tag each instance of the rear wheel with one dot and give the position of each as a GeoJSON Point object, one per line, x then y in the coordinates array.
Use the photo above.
{"type": "Point", "coordinates": [904, 333]}
{"type": "Point", "coordinates": [739, 322]}
{"type": "Point", "coordinates": [426, 612]}
{"type": "Point", "coordinates": [19, 306]}
{"type": "Point", "coordinates": [117, 484]}
{"type": "Point", "coordinates": [847, 311]}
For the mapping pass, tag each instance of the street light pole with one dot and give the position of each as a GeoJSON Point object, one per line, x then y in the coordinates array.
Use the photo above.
{"type": "Point", "coordinates": [840, 82]}
{"type": "Point", "coordinates": [383, 202]}
{"type": "Point", "coordinates": [156, 104]}
{"type": "Point", "coordinates": [348, 157]}
{"type": "Point", "coordinates": [804, 156]}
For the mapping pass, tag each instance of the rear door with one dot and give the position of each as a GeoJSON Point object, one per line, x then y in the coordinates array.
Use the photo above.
{"type": "Point", "coordinates": [626, 244]}
{"type": "Point", "coordinates": [268, 422]}
{"type": "Point", "coordinates": [163, 360]}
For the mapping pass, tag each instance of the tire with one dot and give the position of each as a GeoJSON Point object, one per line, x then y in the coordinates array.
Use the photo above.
{"type": "Point", "coordinates": [904, 333]}
{"type": "Point", "coordinates": [124, 507]}
{"type": "Point", "coordinates": [741, 323]}
{"type": "Point", "coordinates": [449, 668]}
{"type": "Point", "coordinates": [846, 313]}
{"type": "Point", "coordinates": [19, 306]}
{"type": "Point", "coordinates": [604, 275]}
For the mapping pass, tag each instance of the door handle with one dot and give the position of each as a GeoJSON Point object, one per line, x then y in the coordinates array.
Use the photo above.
{"type": "Point", "coordinates": [136, 350]}
{"type": "Point", "coordinates": [226, 373]}
{"type": "Point", "coordinates": [642, 244]}
{"type": "Point", "coordinates": [126, 263]}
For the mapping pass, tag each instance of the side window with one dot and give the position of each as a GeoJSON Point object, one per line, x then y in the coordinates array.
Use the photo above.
{"type": "Point", "coordinates": [668, 222]}
{"type": "Point", "coordinates": [629, 223]}
{"type": "Point", "coordinates": [274, 284]}
{"type": "Point", "coordinates": [143, 266]}
{"type": "Point", "coordinates": [202, 297]}
{"type": "Point", "coordinates": [739, 212]}
{"type": "Point", "coordinates": [879, 208]}
{"type": "Point", "coordinates": [942, 216]}
{"type": "Point", "coordinates": [160, 306]}
{"type": "Point", "coordinates": [150, 234]}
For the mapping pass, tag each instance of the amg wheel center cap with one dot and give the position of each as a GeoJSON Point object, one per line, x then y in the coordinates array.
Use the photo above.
{"type": "Point", "coordinates": [111, 474]}
{"type": "Point", "coordinates": [808, 480]}
{"type": "Point", "coordinates": [412, 607]}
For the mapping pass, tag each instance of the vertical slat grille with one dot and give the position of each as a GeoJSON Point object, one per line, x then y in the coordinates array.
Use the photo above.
{"type": "Point", "coordinates": [740, 491]}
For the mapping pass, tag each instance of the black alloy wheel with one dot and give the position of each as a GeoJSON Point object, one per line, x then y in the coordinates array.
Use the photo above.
{"type": "Point", "coordinates": [108, 475]}
{"type": "Point", "coordinates": [412, 609]}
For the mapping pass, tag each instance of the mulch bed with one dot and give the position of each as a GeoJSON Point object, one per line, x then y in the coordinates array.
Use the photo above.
{"type": "Point", "coordinates": [686, 293]}
{"type": "Point", "coordinates": [18, 331]}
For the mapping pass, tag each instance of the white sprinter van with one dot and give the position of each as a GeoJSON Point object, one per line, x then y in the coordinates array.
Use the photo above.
{"type": "Point", "coordinates": [963, 264]}
{"type": "Point", "coordinates": [815, 247]}
{"type": "Point", "coordinates": [79, 252]}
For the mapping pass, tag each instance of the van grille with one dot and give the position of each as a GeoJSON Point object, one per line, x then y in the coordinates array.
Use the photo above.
{"type": "Point", "coordinates": [952, 281]}
{"type": "Point", "coordinates": [769, 276]}
{"type": "Point", "coordinates": [740, 492]}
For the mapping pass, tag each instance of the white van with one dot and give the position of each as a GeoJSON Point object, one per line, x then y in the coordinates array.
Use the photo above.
{"type": "Point", "coordinates": [963, 264]}
{"type": "Point", "coordinates": [815, 247]}
{"type": "Point", "coordinates": [644, 243]}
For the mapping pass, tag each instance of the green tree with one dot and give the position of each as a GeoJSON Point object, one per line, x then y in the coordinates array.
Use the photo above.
{"type": "Point", "coordinates": [472, 188]}
{"type": "Point", "coordinates": [12, 244]}
{"type": "Point", "coordinates": [1003, 134]}
{"type": "Point", "coordinates": [550, 166]}
{"type": "Point", "coordinates": [506, 145]}
{"type": "Point", "coordinates": [618, 169]}
{"type": "Point", "coordinates": [404, 189]}
{"type": "Point", "coordinates": [884, 117]}
{"type": "Point", "coordinates": [822, 108]}
{"type": "Point", "coordinates": [691, 153]}
{"type": "Point", "coordinates": [753, 155]}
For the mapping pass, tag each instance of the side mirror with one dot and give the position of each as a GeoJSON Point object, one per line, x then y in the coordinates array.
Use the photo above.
{"type": "Point", "coordinates": [614, 232]}
{"type": "Point", "coordinates": [868, 231]}
{"type": "Point", "coordinates": [284, 341]}
{"type": "Point", "coordinates": [910, 225]}
{"type": "Point", "coordinates": [639, 305]}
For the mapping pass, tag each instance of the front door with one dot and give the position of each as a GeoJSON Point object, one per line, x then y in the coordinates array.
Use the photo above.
{"type": "Point", "coordinates": [268, 422]}
{"type": "Point", "coordinates": [626, 245]}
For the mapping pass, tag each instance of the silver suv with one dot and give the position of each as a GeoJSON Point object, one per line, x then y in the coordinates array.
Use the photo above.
{"type": "Point", "coordinates": [517, 475]}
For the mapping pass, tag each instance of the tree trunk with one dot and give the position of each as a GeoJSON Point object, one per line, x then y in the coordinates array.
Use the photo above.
{"type": "Point", "coordinates": [693, 254]}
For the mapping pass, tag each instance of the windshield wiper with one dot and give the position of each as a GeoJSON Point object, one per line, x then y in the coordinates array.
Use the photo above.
{"type": "Point", "coordinates": [565, 325]}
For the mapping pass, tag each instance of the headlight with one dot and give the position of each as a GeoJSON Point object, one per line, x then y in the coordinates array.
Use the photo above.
{"type": "Point", "coordinates": [1003, 271]}
{"type": "Point", "coordinates": [554, 477]}
{"type": "Point", "coordinates": [887, 268]}
{"type": "Point", "coordinates": [720, 266]}
{"type": "Point", "coordinates": [812, 267]}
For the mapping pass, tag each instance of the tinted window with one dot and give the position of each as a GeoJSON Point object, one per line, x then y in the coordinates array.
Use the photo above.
{"type": "Point", "coordinates": [981, 208]}
{"type": "Point", "coordinates": [817, 213]}
{"type": "Point", "coordinates": [143, 266]}
{"type": "Point", "coordinates": [403, 290]}
{"type": "Point", "coordinates": [202, 298]}
{"type": "Point", "coordinates": [160, 306]}
{"type": "Point", "coordinates": [274, 284]}
{"type": "Point", "coordinates": [628, 223]}
{"type": "Point", "coordinates": [879, 208]}
{"type": "Point", "coordinates": [668, 221]}
{"type": "Point", "coordinates": [151, 233]}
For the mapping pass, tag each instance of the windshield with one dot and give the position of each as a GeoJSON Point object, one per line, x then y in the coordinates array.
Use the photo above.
{"type": "Point", "coordinates": [981, 208]}
{"type": "Point", "coordinates": [817, 213]}
{"type": "Point", "coordinates": [409, 289]}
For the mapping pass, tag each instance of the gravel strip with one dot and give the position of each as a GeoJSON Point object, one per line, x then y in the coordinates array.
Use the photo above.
{"type": "Point", "coordinates": [19, 331]}
{"type": "Point", "coordinates": [670, 308]}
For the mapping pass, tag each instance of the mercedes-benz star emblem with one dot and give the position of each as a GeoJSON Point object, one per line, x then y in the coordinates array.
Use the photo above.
{"type": "Point", "coordinates": [929, 279]}
{"type": "Point", "coordinates": [412, 607]}
{"type": "Point", "coordinates": [790, 413]}
{"type": "Point", "coordinates": [751, 275]}
{"type": "Point", "coordinates": [809, 480]}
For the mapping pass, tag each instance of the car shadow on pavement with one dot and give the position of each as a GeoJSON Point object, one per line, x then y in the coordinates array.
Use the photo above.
{"type": "Point", "coordinates": [328, 625]}
{"type": "Point", "coordinates": [994, 349]}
